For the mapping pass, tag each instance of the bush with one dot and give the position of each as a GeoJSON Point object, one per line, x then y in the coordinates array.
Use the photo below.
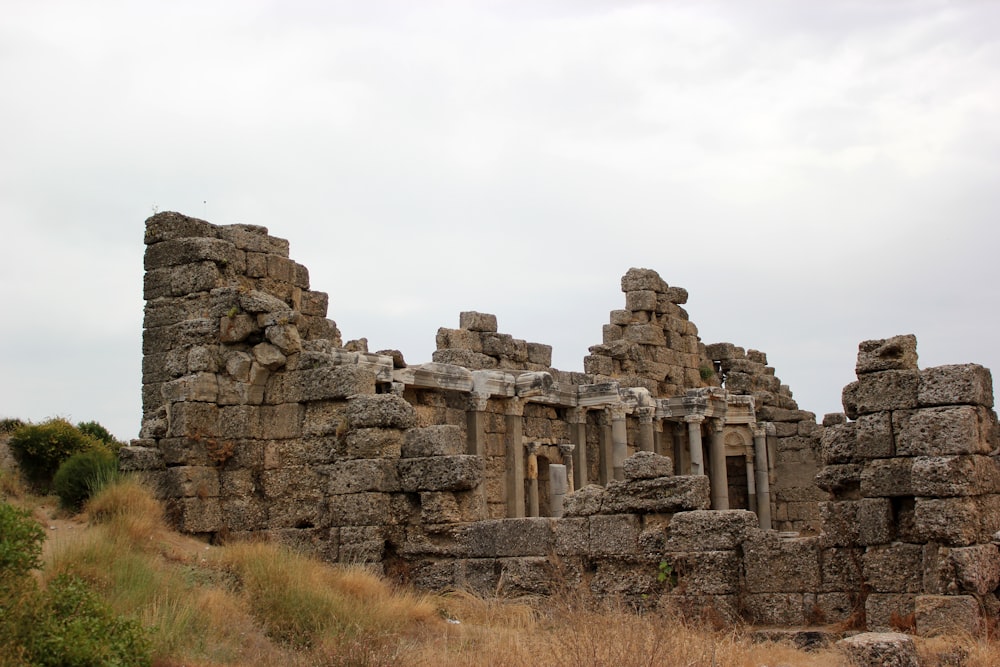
{"type": "Point", "coordinates": [41, 448]}
{"type": "Point", "coordinates": [82, 475]}
{"type": "Point", "coordinates": [98, 432]}
{"type": "Point", "coordinates": [10, 424]}
{"type": "Point", "coordinates": [20, 544]}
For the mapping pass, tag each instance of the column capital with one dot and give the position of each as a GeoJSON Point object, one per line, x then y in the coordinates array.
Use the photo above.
{"type": "Point", "coordinates": [566, 448]}
{"type": "Point", "coordinates": [616, 411]}
{"type": "Point", "coordinates": [645, 414]}
{"type": "Point", "coordinates": [514, 407]}
{"type": "Point", "coordinates": [694, 419]}
{"type": "Point", "coordinates": [478, 401]}
{"type": "Point", "coordinates": [717, 424]}
{"type": "Point", "coordinates": [532, 447]}
{"type": "Point", "coordinates": [576, 415]}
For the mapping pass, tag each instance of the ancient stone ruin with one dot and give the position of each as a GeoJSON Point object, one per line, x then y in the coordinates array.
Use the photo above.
{"type": "Point", "coordinates": [669, 470]}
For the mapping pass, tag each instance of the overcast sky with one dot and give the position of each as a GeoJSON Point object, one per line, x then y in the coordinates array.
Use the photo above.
{"type": "Point", "coordinates": [814, 173]}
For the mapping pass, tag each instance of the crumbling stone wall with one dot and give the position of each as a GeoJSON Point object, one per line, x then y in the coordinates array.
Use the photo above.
{"type": "Point", "coordinates": [259, 421]}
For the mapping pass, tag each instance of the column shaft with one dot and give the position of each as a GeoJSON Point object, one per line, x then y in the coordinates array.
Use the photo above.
{"type": "Point", "coordinates": [694, 445]}
{"type": "Point", "coordinates": [514, 446]}
{"type": "Point", "coordinates": [720, 476]}
{"type": "Point", "coordinates": [761, 477]}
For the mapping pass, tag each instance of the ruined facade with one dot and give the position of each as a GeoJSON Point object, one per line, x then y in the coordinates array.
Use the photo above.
{"type": "Point", "coordinates": [486, 468]}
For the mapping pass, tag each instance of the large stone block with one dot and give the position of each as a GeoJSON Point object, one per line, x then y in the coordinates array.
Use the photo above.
{"type": "Point", "coordinates": [508, 537]}
{"type": "Point", "coordinates": [946, 476]}
{"type": "Point", "coordinates": [967, 384]}
{"type": "Point", "coordinates": [888, 611]}
{"type": "Point", "coordinates": [192, 481]}
{"type": "Point", "coordinates": [775, 565]}
{"type": "Point", "coordinates": [438, 440]}
{"type": "Point", "coordinates": [465, 359]}
{"type": "Point", "coordinates": [441, 507]}
{"type": "Point", "coordinates": [783, 609]}
{"type": "Point", "coordinates": [880, 649]}
{"type": "Point", "coordinates": [181, 280]}
{"type": "Point", "coordinates": [441, 473]}
{"type": "Point", "coordinates": [950, 521]}
{"type": "Point", "coordinates": [473, 321]}
{"type": "Point", "coordinates": [171, 225]}
{"type": "Point", "coordinates": [885, 478]}
{"type": "Point", "coordinates": [839, 443]}
{"type": "Point", "coordinates": [647, 465]}
{"type": "Point", "coordinates": [253, 238]}
{"type": "Point", "coordinates": [614, 534]}
{"type": "Point", "coordinates": [584, 502]}
{"type": "Point", "coordinates": [360, 509]}
{"type": "Point", "coordinates": [705, 572]}
{"type": "Point", "coordinates": [947, 614]}
{"type": "Point", "coordinates": [643, 279]}
{"type": "Point", "coordinates": [370, 443]}
{"type": "Point", "coordinates": [894, 568]}
{"type": "Point", "coordinates": [950, 571]}
{"type": "Point", "coordinates": [321, 384]}
{"type": "Point", "coordinates": [944, 431]}
{"type": "Point", "coordinates": [709, 530]}
{"type": "Point", "coordinates": [661, 495]}
{"type": "Point", "coordinates": [877, 392]}
{"type": "Point", "coordinates": [380, 411]}
{"type": "Point", "coordinates": [189, 251]}
{"type": "Point", "coordinates": [897, 353]}
{"type": "Point", "coordinates": [874, 433]}
{"type": "Point", "coordinates": [358, 475]}
{"type": "Point", "coordinates": [195, 515]}
{"type": "Point", "coordinates": [842, 569]}
{"type": "Point", "coordinates": [361, 544]}
{"type": "Point", "coordinates": [857, 523]}
{"type": "Point", "coordinates": [842, 480]}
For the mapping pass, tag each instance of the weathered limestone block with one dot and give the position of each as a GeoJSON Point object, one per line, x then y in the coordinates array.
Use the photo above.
{"type": "Point", "coordinates": [947, 614]}
{"type": "Point", "coordinates": [839, 443]}
{"type": "Point", "coordinates": [473, 321]}
{"type": "Point", "coordinates": [380, 411]}
{"type": "Point", "coordinates": [360, 509]}
{"type": "Point", "coordinates": [135, 458]}
{"type": "Point", "coordinates": [584, 502]}
{"type": "Point", "coordinates": [320, 384]}
{"type": "Point", "coordinates": [361, 544]}
{"type": "Point", "coordinates": [946, 476]}
{"type": "Point", "coordinates": [974, 569]}
{"type": "Point", "coordinates": [676, 295]}
{"type": "Point", "coordinates": [832, 607]}
{"type": "Point", "coordinates": [181, 280]}
{"type": "Point", "coordinates": [598, 365]}
{"type": "Point", "coordinates": [526, 576]}
{"type": "Point", "coordinates": [459, 339]}
{"type": "Point", "coordinates": [170, 225]}
{"type": "Point", "coordinates": [614, 534]}
{"type": "Point", "coordinates": [966, 384]}
{"type": "Point", "coordinates": [189, 251]}
{"type": "Point", "coordinates": [647, 465]}
{"type": "Point", "coordinates": [874, 432]}
{"type": "Point", "coordinates": [894, 568]}
{"type": "Point", "coordinates": [661, 495]}
{"type": "Point", "coordinates": [709, 530]}
{"type": "Point", "coordinates": [898, 353]}
{"type": "Point", "coordinates": [841, 569]}
{"type": "Point", "coordinates": [192, 481]}
{"type": "Point", "coordinates": [285, 337]}
{"type": "Point", "coordinates": [950, 521]}
{"type": "Point", "coordinates": [191, 418]}
{"type": "Point", "coordinates": [244, 514]}
{"type": "Point", "coordinates": [440, 507]}
{"type": "Point", "coordinates": [775, 565]}
{"type": "Point", "coordinates": [438, 440]}
{"type": "Point", "coordinates": [295, 482]}
{"type": "Point", "coordinates": [281, 421]}
{"type": "Point", "coordinates": [502, 538]}
{"type": "Point", "coordinates": [572, 537]}
{"type": "Point", "coordinates": [195, 515]}
{"type": "Point", "coordinates": [237, 327]}
{"type": "Point", "coordinates": [441, 473]}
{"type": "Point", "coordinates": [370, 443]}
{"type": "Point", "coordinates": [631, 579]}
{"type": "Point", "coordinates": [855, 523]}
{"type": "Point", "coordinates": [885, 390]}
{"type": "Point", "coordinates": [944, 431]}
{"type": "Point", "coordinates": [180, 337]}
{"type": "Point", "coordinates": [775, 608]}
{"type": "Point", "coordinates": [644, 334]}
{"type": "Point", "coordinates": [640, 300]}
{"type": "Point", "coordinates": [358, 475]}
{"type": "Point", "coordinates": [643, 279]}
{"type": "Point", "coordinates": [886, 478]}
{"type": "Point", "coordinates": [539, 353]}
{"type": "Point", "coordinates": [252, 238]}
{"type": "Point", "coordinates": [841, 479]}
{"type": "Point", "coordinates": [887, 611]}
{"type": "Point", "coordinates": [880, 649]}
{"type": "Point", "coordinates": [464, 358]}
{"type": "Point", "coordinates": [705, 572]}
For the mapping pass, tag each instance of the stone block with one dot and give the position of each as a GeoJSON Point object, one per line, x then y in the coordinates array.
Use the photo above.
{"type": "Point", "coordinates": [321, 384]}
{"type": "Point", "coordinates": [677, 295]}
{"type": "Point", "coordinates": [572, 537]}
{"type": "Point", "coordinates": [501, 538]}
{"type": "Point", "coordinates": [950, 521]}
{"type": "Point", "coordinates": [833, 608]}
{"type": "Point", "coordinates": [839, 443]}
{"type": "Point", "coordinates": [438, 440]}
{"type": "Point", "coordinates": [947, 614]}
{"type": "Point", "coordinates": [951, 571]}
{"type": "Point", "coordinates": [441, 473]}
{"type": "Point", "coordinates": [857, 523]}
{"type": "Point", "coordinates": [440, 507]}
{"type": "Point", "coordinates": [525, 576]}
{"type": "Point", "coordinates": [195, 515]}
{"type": "Point", "coordinates": [640, 300]}
{"type": "Point", "coordinates": [134, 458]}
{"type": "Point", "coordinates": [465, 359]}
{"type": "Point", "coordinates": [645, 334]}
{"type": "Point", "coordinates": [775, 565]}
{"type": "Point", "coordinates": [944, 431]}
{"type": "Point", "coordinates": [244, 514]}
{"type": "Point", "coordinates": [886, 478]}
{"type": "Point", "coordinates": [880, 649]}
{"type": "Point", "coordinates": [710, 530]}
{"type": "Point", "coordinates": [584, 502]}
{"type": "Point", "coordinates": [643, 279]}
{"type": "Point", "coordinates": [947, 476]}
{"type": "Point", "coordinates": [894, 568]}
{"type": "Point", "coordinates": [647, 465]}
{"type": "Point", "coordinates": [783, 609]}
{"type": "Point", "coordinates": [898, 353]}
{"type": "Point", "coordinates": [281, 421]}
{"type": "Point", "coordinates": [874, 432]}
{"type": "Point", "coordinates": [473, 321]}
{"type": "Point", "coordinates": [360, 509]}
{"type": "Point", "coordinates": [539, 353]}
{"type": "Point", "coordinates": [177, 281]}
{"type": "Point", "coordinates": [192, 481]}
{"type": "Point", "coordinates": [661, 495]}
{"type": "Point", "coordinates": [361, 544]}
{"type": "Point", "coordinates": [359, 475]}
{"type": "Point", "coordinates": [370, 443]}
{"type": "Point", "coordinates": [253, 238]}
{"type": "Point", "coordinates": [966, 384]}
{"type": "Point", "coordinates": [614, 534]}
{"type": "Point", "coordinates": [498, 345]}
{"type": "Point", "coordinates": [380, 411]}
{"type": "Point", "coordinates": [705, 572]}
{"type": "Point", "coordinates": [191, 418]}
{"type": "Point", "coordinates": [629, 579]}
{"type": "Point", "coordinates": [841, 569]}
{"type": "Point", "coordinates": [841, 479]}
{"type": "Point", "coordinates": [889, 611]}
{"type": "Point", "coordinates": [877, 392]}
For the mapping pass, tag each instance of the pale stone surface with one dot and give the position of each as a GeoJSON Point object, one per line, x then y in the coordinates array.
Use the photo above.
{"type": "Point", "coordinates": [947, 614]}
{"type": "Point", "coordinates": [380, 411]}
{"type": "Point", "coordinates": [438, 440]}
{"type": "Point", "coordinates": [885, 390]}
{"type": "Point", "coordinates": [441, 473]}
{"type": "Point", "coordinates": [775, 565]}
{"type": "Point", "coordinates": [709, 530]}
{"type": "Point", "coordinates": [839, 443]}
{"type": "Point", "coordinates": [883, 478]}
{"type": "Point", "coordinates": [509, 537]}
{"type": "Point", "coordinates": [664, 494]}
{"type": "Point", "coordinates": [896, 353]}
{"type": "Point", "coordinates": [967, 384]}
{"type": "Point", "coordinates": [705, 572]}
{"type": "Point", "coordinates": [880, 649]}
{"type": "Point", "coordinates": [474, 321]}
{"type": "Point", "coordinates": [614, 534]}
{"type": "Point", "coordinates": [647, 465]}
{"type": "Point", "coordinates": [894, 568]}
{"type": "Point", "coordinates": [944, 430]}
{"type": "Point", "coordinates": [864, 522]}
{"type": "Point", "coordinates": [946, 476]}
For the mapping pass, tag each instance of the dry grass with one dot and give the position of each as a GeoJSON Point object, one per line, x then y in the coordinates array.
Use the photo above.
{"type": "Point", "coordinates": [262, 604]}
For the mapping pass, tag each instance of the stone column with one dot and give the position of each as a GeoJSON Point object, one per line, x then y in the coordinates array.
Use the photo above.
{"type": "Point", "coordinates": [697, 466]}
{"type": "Point", "coordinates": [761, 476]}
{"type": "Point", "coordinates": [720, 477]}
{"type": "Point", "coordinates": [619, 442]}
{"type": "Point", "coordinates": [475, 424]}
{"type": "Point", "coordinates": [558, 487]}
{"type": "Point", "coordinates": [751, 484]}
{"type": "Point", "coordinates": [577, 418]}
{"type": "Point", "coordinates": [514, 446]}
{"type": "Point", "coordinates": [532, 470]}
{"type": "Point", "coordinates": [682, 462]}
{"type": "Point", "coordinates": [604, 467]}
{"type": "Point", "coordinates": [645, 428]}
{"type": "Point", "coordinates": [567, 449]}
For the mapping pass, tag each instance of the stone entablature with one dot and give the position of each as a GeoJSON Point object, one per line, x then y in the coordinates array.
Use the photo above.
{"type": "Point", "coordinates": [259, 420]}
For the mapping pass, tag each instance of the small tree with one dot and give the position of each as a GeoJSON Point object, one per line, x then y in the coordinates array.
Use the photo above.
{"type": "Point", "coordinates": [41, 448]}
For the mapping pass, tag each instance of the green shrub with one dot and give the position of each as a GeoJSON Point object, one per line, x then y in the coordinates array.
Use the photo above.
{"type": "Point", "coordinates": [82, 475]}
{"type": "Point", "coordinates": [20, 543]}
{"type": "Point", "coordinates": [98, 432]}
{"type": "Point", "coordinates": [10, 424]}
{"type": "Point", "coordinates": [41, 448]}
{"type": "Point", "coordinates": [68, 624]}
